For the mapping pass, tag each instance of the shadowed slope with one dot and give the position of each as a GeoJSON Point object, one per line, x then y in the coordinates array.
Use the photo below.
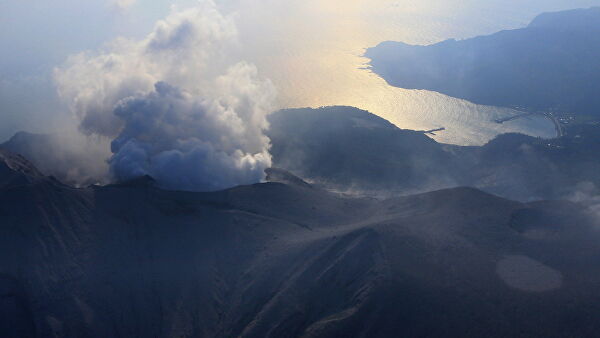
{"type": "Point", "coordinates": [550, 65]}
{"type": "Point", "coordinates": [349, 150]}
{"type": "Point", "coordinates": [291, 260]}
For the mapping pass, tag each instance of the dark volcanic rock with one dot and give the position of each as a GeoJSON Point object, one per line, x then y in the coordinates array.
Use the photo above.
{"type": "Point", "coordinates": [16, 170]}
{"type": "Point", "coordinates": [349, 149]}
{"type": "Point", "coordinates": [273, 260]}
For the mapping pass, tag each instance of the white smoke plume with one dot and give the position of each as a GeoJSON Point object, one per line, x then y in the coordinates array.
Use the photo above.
{"type": "Point", "coordinates": [178, 105]}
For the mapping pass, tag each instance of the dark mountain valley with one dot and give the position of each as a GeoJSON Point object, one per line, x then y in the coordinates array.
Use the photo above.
{"type": "Point", "coordinates": [155, 183]}
{"type": "Point", "coordinates": [289, 258]}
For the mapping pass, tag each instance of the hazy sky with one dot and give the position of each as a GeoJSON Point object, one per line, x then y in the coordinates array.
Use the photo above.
{"type": "Point", "coordinates": [310, 48]}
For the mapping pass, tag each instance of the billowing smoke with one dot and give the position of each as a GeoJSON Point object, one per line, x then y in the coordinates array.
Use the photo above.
{"type": "Point", "coordinates": [178, 105]}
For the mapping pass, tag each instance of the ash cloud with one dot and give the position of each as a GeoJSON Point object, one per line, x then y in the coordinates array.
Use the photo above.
{"type": "Point", "coordinates": [177, 104]}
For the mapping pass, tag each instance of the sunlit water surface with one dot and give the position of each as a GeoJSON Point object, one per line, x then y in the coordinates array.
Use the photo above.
{"type": "Point", "coordinates": [312, 50]}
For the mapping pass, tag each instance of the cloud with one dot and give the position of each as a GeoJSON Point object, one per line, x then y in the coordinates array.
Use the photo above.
{"type": "Point", "coordinates": [178, 106]}
{"type": "Point", "coordinates": [587, 194]}
{"type": "Point", "coordinates": [123, 4]}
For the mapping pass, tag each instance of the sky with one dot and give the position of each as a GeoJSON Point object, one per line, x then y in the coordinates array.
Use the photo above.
{"type": "Point", "coordinates": [310, 49]}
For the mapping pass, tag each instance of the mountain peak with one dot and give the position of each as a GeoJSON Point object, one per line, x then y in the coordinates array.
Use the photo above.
{"type": "Point", "coordinates": [282, 176]}
{"type": "Point", "coordinates": [584, 18]}
{"type": "Point", "coordinates": [15, 169]}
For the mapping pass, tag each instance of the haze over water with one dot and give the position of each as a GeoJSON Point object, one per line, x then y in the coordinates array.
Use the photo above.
{"type": "Point", "coordinates": [313, 49]}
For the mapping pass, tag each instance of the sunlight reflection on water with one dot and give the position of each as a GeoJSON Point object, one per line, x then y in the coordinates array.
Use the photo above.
{"type": "Point", "coordinates": [312, 50]}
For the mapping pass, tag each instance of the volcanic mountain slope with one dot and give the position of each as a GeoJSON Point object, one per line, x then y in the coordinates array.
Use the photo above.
{"type": "Point", "coordinates": [282, 260]}
{"type": "Point", "coordinates": [347, 149]}
{"type": "Point", "coordinates": [73, 159]}
{"type": "Point", "coordinates": [350, 150]}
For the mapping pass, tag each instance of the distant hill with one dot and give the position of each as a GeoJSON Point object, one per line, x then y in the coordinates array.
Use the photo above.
{"type": "Point", "coordinates": [350, 150]}
{"type": "Point", "coordinates": [71, 159]}
{"type": "Point", "coordinates": [288, 260]}
{"type": "Point", "coordinates": [551, 65]}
